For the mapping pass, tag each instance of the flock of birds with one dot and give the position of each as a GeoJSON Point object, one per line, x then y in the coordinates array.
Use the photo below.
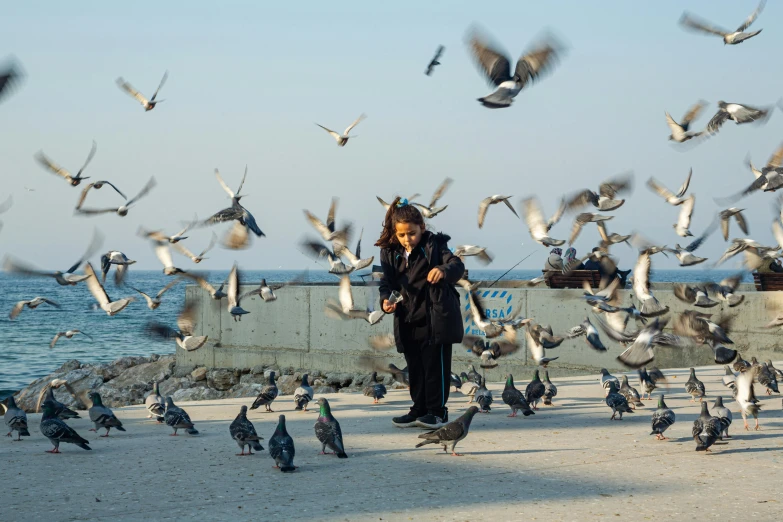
{"type": "Point", "coordinates": [500, 336]}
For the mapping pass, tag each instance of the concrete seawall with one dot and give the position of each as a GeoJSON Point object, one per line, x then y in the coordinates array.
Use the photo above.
{"type": "Point", "coordinates": [294, 332]}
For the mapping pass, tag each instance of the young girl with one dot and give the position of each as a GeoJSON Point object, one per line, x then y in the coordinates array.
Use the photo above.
{"type": "Point", "coordinates": [419, 265]}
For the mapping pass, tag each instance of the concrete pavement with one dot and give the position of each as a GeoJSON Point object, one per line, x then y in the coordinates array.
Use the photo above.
{"type": "Point", "coordinates": [567, 462]}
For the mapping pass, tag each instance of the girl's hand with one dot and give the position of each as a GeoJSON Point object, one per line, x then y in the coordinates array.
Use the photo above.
{"type": "Point", "coordinates": [435, 276]}
{"type": "Point", "coordinates": [388, 307]}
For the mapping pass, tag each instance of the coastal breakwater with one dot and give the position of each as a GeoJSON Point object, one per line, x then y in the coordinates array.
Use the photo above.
{"type": "Point", "coordinates": [293, 332]}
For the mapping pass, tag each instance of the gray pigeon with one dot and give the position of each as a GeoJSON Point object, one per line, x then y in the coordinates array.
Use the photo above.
{"type": "Point", "coordinates": [102, 416]}
{"type": "Point", "coordinates": [694, 387]}
{"type": "Point", "coordinates": [61, 410]}
{"type": "Point", "coordinates": [455, 381]}
{"type": "Point", "coordinates": [724, 414]}
{"type": "Point", "coordinates": [767, 378]}
{"type": "Point", "coordinates": [15, 418]}
{"type": "Point", "coordinates": [303, 394]}
{"type": "Point", "coordinates": [267, 396]}
{"type": "Point", "coordinates": [483, 397]}
{"type": "Point", "coordinates": [178, 418]}
{"type": "Point", "coordinates": [375, 389]}
{"type": "Point", "coordinates": [57, 431]}
{"type": "Point", "coordinates": [662, 418]}
{"type": "Point", "coordinates": [515, 399]}
{"type": "Point", "coordinates": [451, 433]}
{"type": "Point", "coordinates": [617, 402]}
{"type": "Point", "coordinates": [550, 390]}
{"type": "Point", "coordinates": [155, 403]}
{"type": "Point", "coordinates": [281, 447]}
{"type": "Point", "coordinates": [534, 391]}
{"type": "Point", "coordinates": [243, 431]}
{"type": "Point", "coordinates": [606, 378]}
{"type": "Point", "coordinates": [706, 429]}
{"type": "Point", "coordinates": [630, 393]}
{"type": "Point", "coordinates": [328, 431]}
{"type": "Point", "coordinates": [468, 387]}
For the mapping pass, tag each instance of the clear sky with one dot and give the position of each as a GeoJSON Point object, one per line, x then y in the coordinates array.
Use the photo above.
{"type": "Point", "coordinates": [247, 81]}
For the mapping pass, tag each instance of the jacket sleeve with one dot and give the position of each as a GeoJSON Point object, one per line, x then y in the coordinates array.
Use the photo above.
{"type": "Point", "coordinates": [388, 279]}
{"type": "Point", "coordinates": [452, 265]}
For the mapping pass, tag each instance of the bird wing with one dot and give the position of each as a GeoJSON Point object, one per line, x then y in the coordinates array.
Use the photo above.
{"type": "Point", "coordinates": [223, 184]}
{"type": "Point", "coordinates": [717, 121]}
{"type": "Point", "coordinates": [330, 131]}
{"type": "Point", "coordinates": [534, 217]}
{"type": "Point", "coordinates": [686, 211]}
{"type": "Point", "coordinates": [659, 189]}
{"type": "Point", "coordinates": [184, 251]}
{"type": "Point", "coordinates": [167, 287]}
{"type": "Point", "coordinates": [149, 186]}
{"type": "Point", "coordinates": [95, 287]}
{"type": "Point", "coordinates": [692, 114]}
{"type": "Point", "coordinates": [752, 18]}
{"type": "Point", "coordinates": [83, 196]}
{"type": "Point", "coordinates": [776, 158]}
{"type": "Point", "coordinates": [743, 224]}
{"type": "Point", "coordinates": [52, 166]}
{"type": "Point", "coordinates": [7, 204]}
{"type": "Point", "coordinates": [186, 320]}
{"type": "Point", "coordinates": [699, 24]}
{"type": "Point", "coordinates": [684, 187]}
{"type": "Point", "coordinates": [146, 296]}
{"type": "Point", "coordinates": [95, 244]}
{"type": "Point", "coordinates": [330, 214]}
{"type": "Point", "coordinates": [538, 59]}
{"type": "Point", "coordinates": [233, 287]}
{"type": "Point", "coordinates": [93, 150]}
{"type": "Point", "coordinates": [95, 211]}
{"type": "Point", "coordinates": [211, 245]}
{"type": "Point", "coordinates": [482, 211]}
{"type": "Point", "coordinates": [493, 64]}
{"type": "Point", "coordinates": [440, 191]}
{"type": "Point", "coordinates": [17, 309]}
{"type": "Point", "coordinates": [581, 199]}
{"type": "Point", "coordinates": [610, 188]}
{"type": "Point", "coordinates": [674, 127]}
{"type": "Point", "coordinates": [346, 296]}
{"type": "Point", "coordinates": [203, 283]}
{"type": "Point", "coordinates": [104, 182]}
{"type": "Point", "coordinates": [162, 81]}
{"type": "Point", "coordinates": [319, 226]}
{"type": "Point", "coordinates": [641, 276]}
{"type": "Point", "coordinates": [55, 339]}
{"type": "Point", "coordinates": [579, 222]}
{"type": "Point", "coordinates": [438, 53]}
{"type": "Point", "coordinates": [684, 293]}
{"type": "Point", "coordinates": [163, 253]}
{"type": "Point", "coordinates": [242, 183]}
{"type": "Point", "coordinates": [355, 123]}
{"type": "Point", "coordinates": [127, 87]}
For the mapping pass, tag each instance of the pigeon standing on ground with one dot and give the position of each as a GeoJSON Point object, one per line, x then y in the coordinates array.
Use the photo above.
{"type": "Point", "coordinates": [267, 396]}
{"type": "Point", "coordinates": [303, 394]}
{"type": "Point", "coordinates": [648, 381]}
{"type": "Point", "coordinates": [62, 411]}
{"type": "Point", "coordinates": [606, 378]}
{"type": "Point", "coordinates": [630, 393]}
{"type": "Point", "coordinates": [244, 433]}
{"type": "Point", "coordinates": [550, 390]}
{"type": "Point", "coordinates": [724, 414]}
{"type": "Point", "coordinates": [155, 404]}
{"type": "Point", "coordinates": [483, 397]}
{"type": "Point", "coordinates": [706, 429]}
{"type": "Point", "coordinates": [57, 431]}
{"type": "Point", "coordinates": [662, 418]}
{"type": "Point", "coordinates": [178, 418]}
{"type": "Point", "coordinates": [375, 389]}
{"type": "Point", "coordinates": [534, 391]}
{"type": "Point", "coordinates": [617, 402]}
{"type": "Point", "coordinates": [515, 399]}
{"type": "Point", "coordinates": [15, 418]}
{"type": "Point", "coordinates": [455, 381]}
{"type": "Point", "coordinates": [468, 387]}
{"type": "Point", "coordinates": [694, 387]}
{"type": "Point", "coordinates": [746, 399]}
{"type": "Point", "coordinates": [451, 433]}
{"type": "Point", "coordinates": [328, 432]}
{"type": "Point", "coordinates": [729, 378]}
{"type": "Point", "coordinates": [281, 447]}
{"type": "Point", "coordinates": [102, 416]}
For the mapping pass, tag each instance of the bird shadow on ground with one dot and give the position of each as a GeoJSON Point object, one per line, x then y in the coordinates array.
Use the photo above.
{"type": "Point", "coordinates": [744, 450]}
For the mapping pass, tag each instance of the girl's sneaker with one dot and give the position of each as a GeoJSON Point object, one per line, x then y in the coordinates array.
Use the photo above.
{"type": "Point", "coordinates": [406, 421]}
{"type": "Point", "coordinates": [430, 422]}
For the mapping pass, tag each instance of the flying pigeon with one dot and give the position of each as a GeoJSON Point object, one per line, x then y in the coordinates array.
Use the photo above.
{"type": "Point", "coordinates": [32, 304]}
{"type": "Point", "coordinates": [186, 324]}
{"type": "Point", "coordinates": [434, 61]}
{"type": "Point", "coordinates": [493, 200]}
{"type": "Point", "coordinates": [729, 37]}
{"type": "Point", "coordinates": [147, 104]}
{"type": "Point", "coordinates": [343, 138]}
{"type": "Point", "coordinates": [680, 131]}
{"type": "Point", "coordinates": [66, 175]}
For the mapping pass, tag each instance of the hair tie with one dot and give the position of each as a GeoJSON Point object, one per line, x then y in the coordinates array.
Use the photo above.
{"type": "Point", "coordinates": [402, 203]}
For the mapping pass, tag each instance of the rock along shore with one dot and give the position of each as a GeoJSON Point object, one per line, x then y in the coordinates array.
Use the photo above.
{"type": "Point", "coordinates": [128, 380]}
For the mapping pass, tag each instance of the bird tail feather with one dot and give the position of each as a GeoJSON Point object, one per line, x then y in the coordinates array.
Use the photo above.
{"type": "Point", "coordinates": [190, 431]}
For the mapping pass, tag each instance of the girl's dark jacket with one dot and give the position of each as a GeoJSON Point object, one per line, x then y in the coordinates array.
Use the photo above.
{"type": "Point", "coordinates": [442, 306]}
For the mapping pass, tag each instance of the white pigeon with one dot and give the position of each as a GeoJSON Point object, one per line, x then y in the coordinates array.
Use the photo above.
{"type": "Point", "coordinates": [68, 335]}
{"type": "Point", "coordinates": [343, 138]}
{"type": "Point", "coordinates": [493, 200]}
{"type": "Point", "coordinates": [147, 104]}
{"type": "Point", "coordinates": [729, 37]}
{"type": "Point", "coordinates": [345, 310]}
{"type": "Point", "coordinates": [99, 293]}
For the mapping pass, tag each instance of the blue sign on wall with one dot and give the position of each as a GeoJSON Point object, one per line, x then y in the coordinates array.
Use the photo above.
{"type": "Point", "coordinates": [498, 313]}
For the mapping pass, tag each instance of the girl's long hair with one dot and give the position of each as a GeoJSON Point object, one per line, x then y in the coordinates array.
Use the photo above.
{"type": "Point", "coordinates": [404, 214]}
